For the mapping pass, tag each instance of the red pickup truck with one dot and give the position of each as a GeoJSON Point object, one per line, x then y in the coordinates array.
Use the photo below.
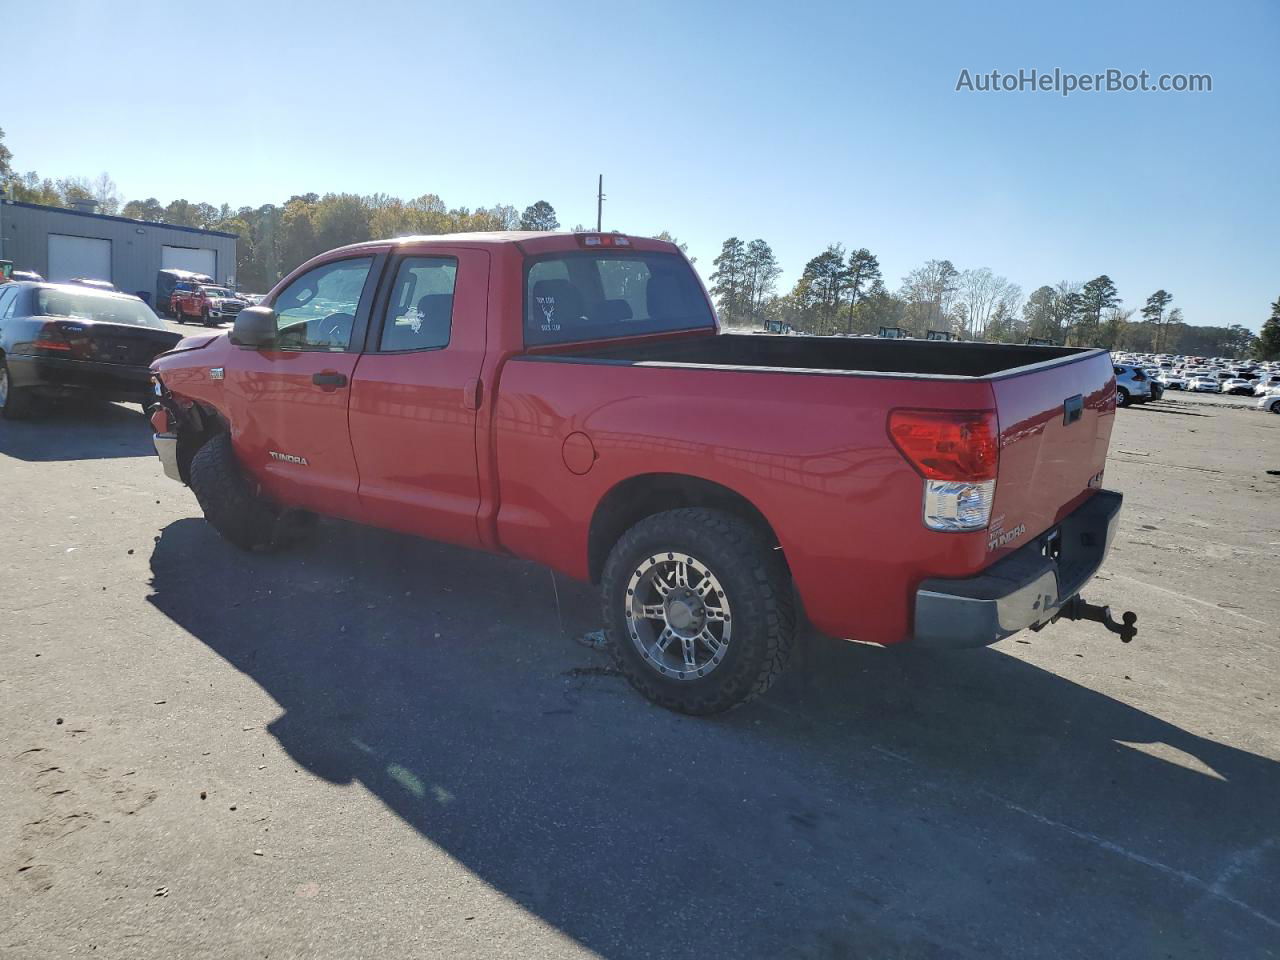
{"type": "Point", "coordinates": [569, 398]}
{"type": "Point", "coordinates": [210, 304]}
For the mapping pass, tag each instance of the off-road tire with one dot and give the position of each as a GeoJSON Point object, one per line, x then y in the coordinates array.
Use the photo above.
{"type": "Point", "coordinates": [229, 502]}
{"type": "Point", "coordinates": [759, 590]}
{"type": "Point", "coordinates": [17, 405]}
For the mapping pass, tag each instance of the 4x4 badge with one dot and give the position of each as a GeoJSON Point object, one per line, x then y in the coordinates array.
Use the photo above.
{"type": "Point", "coordinates": [215, 373]}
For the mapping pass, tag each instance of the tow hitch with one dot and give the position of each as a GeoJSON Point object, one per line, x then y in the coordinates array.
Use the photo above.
{"type": "Point", "coordinates": [1078, 609]}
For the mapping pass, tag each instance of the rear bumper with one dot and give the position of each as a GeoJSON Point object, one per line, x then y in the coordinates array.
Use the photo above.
{"type": "Point", "coordinates": [1025, 589]}
{"type": "Point", "coordinates": [56, 375]}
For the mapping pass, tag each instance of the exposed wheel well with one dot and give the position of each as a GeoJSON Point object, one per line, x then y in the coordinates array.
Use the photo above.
{"type": "Point", "coordinates": [199, 425]}
{"type": "Point", "coordinates": [638, 497]}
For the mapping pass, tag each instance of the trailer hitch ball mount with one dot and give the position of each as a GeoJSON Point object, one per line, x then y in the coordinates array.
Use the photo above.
{"type": "Point", "coordinates": [1078, 609]}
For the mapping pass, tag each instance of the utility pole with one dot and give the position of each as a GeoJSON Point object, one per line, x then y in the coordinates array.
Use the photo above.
{"type": "Point", "coordinates": [600, 205]}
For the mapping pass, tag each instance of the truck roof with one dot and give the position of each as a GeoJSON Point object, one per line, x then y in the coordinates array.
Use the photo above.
{"type": "Point", "coordinates": [496, 238]}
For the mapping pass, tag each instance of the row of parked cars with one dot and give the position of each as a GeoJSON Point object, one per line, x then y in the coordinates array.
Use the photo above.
{"type": "Point", "coordinates": [1248, 378]}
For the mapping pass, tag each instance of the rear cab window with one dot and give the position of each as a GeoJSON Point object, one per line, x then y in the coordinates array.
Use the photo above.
{"type": "Point", "coordinates": [590, 295]}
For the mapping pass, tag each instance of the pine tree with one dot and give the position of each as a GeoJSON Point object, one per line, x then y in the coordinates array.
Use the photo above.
{"type": "Point", "coordinates": [1268, 347]}
{"type": "Point", "coordinates": [728, 282]}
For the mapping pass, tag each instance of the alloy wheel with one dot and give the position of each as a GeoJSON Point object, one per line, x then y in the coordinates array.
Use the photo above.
{"type": "Point", "coordinates": [678, 616]}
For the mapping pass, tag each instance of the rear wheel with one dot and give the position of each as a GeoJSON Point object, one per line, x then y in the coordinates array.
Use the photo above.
{"type": "Point", "coordinates": [698, 610]}
{"type": "Point", "coordinates": [229, 502]}
{"type": "Point", "coordinates": [15, 403]}
{"type": "Point", "coordinates": [1122, 397]}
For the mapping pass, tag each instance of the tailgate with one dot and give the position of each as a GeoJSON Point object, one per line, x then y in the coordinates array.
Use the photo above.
{"type": "Point", "coordinates": [1055, 425]}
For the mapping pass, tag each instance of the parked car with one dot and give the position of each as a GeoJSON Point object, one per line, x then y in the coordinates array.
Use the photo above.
{"type": "Point", "coordinates": [95, 284]}
{"type": "Point", "coordinates": [207, 304]}
{"type": "Point", "coordinates": [168, 279]}
{"type": "Point", "coordinates": [1267, 383]}
{"type": "Point", "coordinates": [29, 275]}
{"type": "Point", "coordinates": [1172, 380]}
{"type": "Point", "coordinates": [62, 339]}
{"type": "Point", "coordinates": [1270, 402]}
{"type": "Point", "coordinates": [1132, 385]}
{"type": "Point", "coordinates": [1237, 386]}
{"type": "Point", "coordinates": [569, 399]}
{"type": "Point", "coordinates": [1204, 383]}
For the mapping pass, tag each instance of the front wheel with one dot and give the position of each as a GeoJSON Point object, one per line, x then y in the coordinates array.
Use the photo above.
{"type": "Point", "coordinates": [698, 610]}
{"type": "Point", "coordinates": [178, 315]}
{"type": "Point", "coordinates": [204, 318]}
{"type": "Point", "coordinates": [229, 502]}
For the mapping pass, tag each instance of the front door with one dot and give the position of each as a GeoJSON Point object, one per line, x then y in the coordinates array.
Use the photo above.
{"type": "Point", "coordinates": [288, 404]}
{"type": "Point", "coordinates": [415, 395]}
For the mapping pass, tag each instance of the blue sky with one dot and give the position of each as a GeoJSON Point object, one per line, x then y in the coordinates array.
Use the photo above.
{"type": "Point", "coordinates": [803, 124]}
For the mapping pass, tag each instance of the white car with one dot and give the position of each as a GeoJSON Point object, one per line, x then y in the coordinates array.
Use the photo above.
{"type": "Point", "coordinates": [1270, 402]}
{"type": "Point", "coordinates": [1267, 383]}
{"type": "Point", "coordinates": [1173, 381]}
{"type": "Point", "coordinates": [1237, 385]}
{"type": "Point", "coordinates": [1205, 384]}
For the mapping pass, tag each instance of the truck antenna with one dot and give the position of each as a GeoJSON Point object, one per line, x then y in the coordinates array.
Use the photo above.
{"type": "Point", "coordinates": [600, 204]}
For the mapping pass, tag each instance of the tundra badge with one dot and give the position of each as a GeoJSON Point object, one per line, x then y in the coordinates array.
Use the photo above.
{"type": "Point", "coordinates": [289, 458]}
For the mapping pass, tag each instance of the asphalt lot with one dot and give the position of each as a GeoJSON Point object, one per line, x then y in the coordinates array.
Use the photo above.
{"type": "Point", "coordinates": [372, 745]}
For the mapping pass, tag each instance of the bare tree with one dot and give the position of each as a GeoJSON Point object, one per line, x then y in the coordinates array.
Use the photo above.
{"type": "Point", "coordinates": [104, 191]}
{"type": "Point", "coordinates": [930, 293]}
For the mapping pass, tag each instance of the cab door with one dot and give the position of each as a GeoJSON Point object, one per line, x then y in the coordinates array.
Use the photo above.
{"type": "Point", "coordinates": [288, 404]}
{"type": "Point", "coordinates": [415, 395]}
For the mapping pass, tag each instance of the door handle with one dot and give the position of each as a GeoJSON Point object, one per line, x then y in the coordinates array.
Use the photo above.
{"type": "Point", "coordinates": [329, 378]}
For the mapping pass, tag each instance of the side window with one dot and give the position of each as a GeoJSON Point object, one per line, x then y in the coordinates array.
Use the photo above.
{"type": "Point", "coordinates": [1119, 371]}
{"type": "Point", "coordinates": [420, 308]}
{"type": "Point", "coordinates": [7, 299]}
{"type": "Point", "coordinates": [318, 310]}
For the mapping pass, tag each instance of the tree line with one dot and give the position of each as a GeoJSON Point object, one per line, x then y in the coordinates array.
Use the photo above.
{"type": "Point", "coordinates": [842, 291]}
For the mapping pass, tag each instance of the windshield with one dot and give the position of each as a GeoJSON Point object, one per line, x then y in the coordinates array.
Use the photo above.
{"type": "Point", "coordinates": [87, 306]}
{"type": "Point", "coordinates": [217, 292]}
{"type": "Point", "coordinates": [592, 296]}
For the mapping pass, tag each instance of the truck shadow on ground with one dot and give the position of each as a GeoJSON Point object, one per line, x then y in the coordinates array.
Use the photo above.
{"type": "Point", "coordinates": [875, 804]}
{"type": "Point", "coordinates": [77, 430]}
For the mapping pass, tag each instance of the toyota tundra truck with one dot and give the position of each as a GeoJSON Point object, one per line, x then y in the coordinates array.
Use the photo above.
{"type": "Point", "coordinates": [570, 399]}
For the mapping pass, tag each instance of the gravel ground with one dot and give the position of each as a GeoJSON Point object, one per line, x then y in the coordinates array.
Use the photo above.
{"type": "Point", "coordinates": [372, 745]}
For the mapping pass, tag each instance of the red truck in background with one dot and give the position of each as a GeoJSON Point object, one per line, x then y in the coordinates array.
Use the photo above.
{"type": "Point", "coordinates": [569, 398]}
{"type": "Point", "coordinates": [208, 303]}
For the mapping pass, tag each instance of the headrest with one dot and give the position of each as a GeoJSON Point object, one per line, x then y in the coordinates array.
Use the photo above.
{"type": "Point", "coordinates": [555, 302]}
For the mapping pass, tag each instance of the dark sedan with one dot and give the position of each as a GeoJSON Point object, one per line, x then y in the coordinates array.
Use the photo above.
{"type": "Point", "coordinates": [59, 339]}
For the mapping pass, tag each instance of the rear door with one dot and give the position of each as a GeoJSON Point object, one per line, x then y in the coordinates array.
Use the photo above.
{"type": "Point", "coordinates": [288, 404]}
{"type": "Point", "coordinates": [415, 395]}
{"type": "Point", "coordinates": [1055, 426]}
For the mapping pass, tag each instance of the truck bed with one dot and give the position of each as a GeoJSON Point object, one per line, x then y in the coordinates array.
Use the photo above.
{"type": "Point", "coordinates": [854, 355]}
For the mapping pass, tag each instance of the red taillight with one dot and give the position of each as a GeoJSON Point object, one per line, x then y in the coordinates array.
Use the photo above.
{"type": "Point", "coordinates": [46, 344]}
{"type": "Point", "coordinates": [947, 444]}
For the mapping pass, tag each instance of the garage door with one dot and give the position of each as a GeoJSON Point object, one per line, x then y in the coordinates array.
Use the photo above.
{"type": "Point", "coordinates": [189, 258]}
{"type": "Point", "coordinates": [71, 257]}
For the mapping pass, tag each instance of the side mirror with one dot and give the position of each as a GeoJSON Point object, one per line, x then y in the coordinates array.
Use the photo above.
{"type": "Point", "coordinates": [254, 327]}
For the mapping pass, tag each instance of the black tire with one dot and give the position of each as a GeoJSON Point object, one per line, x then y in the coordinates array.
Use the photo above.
{"type": "Point", "coordinates": [756, 585]}
{"type": "Point", "coordinates": [179, 316]}
{"type": "Point", "coordinates": [17, 402]}
{"type": "Point", "coordinates": [1122, 397]}
{"type": "Point", "coordinates": [229, 503]}
{"type": "Point", "coordinates": [204, 318]}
